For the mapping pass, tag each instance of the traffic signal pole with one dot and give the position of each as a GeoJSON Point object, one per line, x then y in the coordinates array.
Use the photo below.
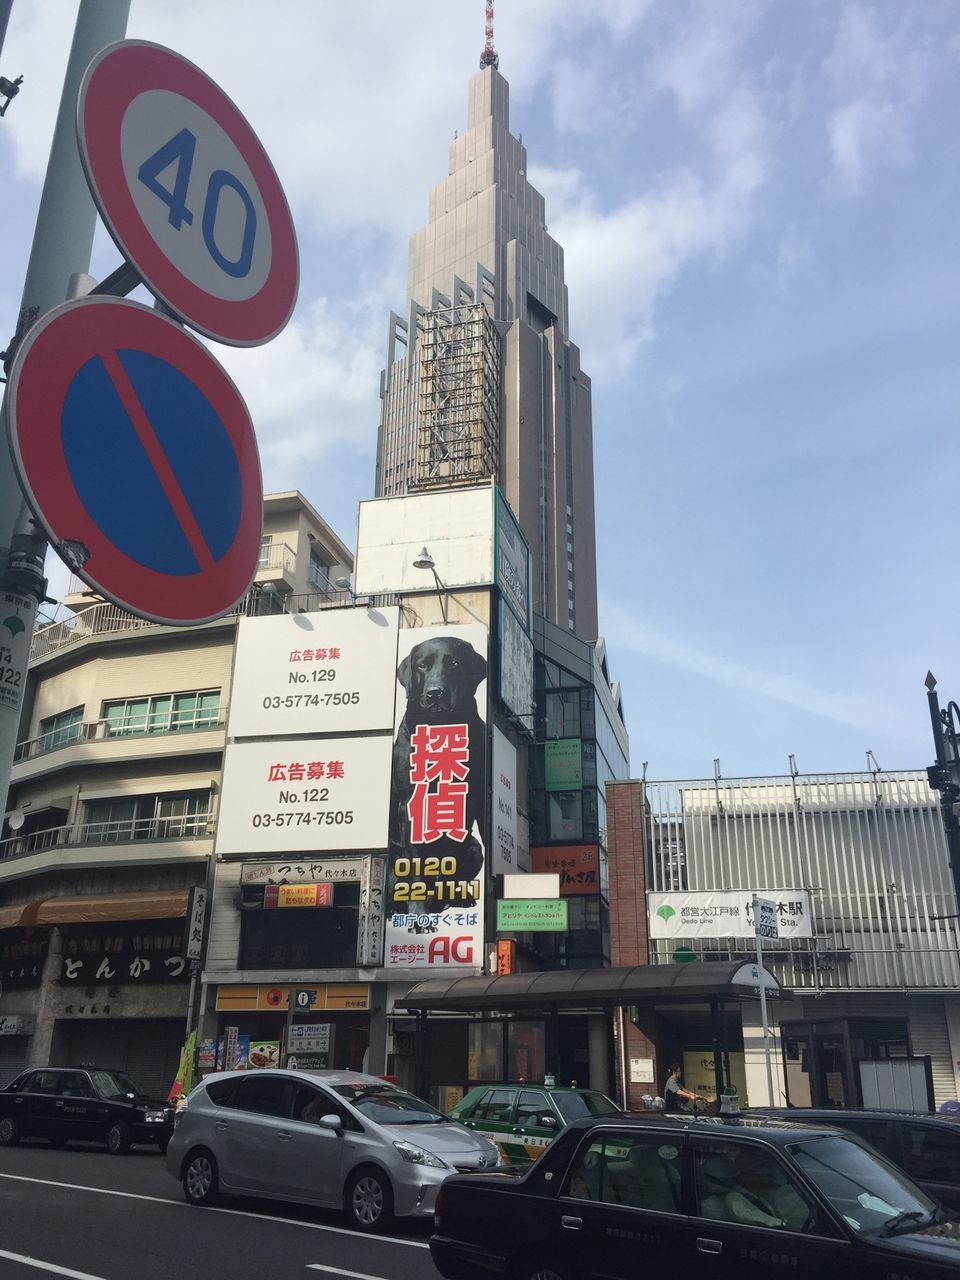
{"type": "Point", "coordinates": [62, 244]}
{"type": "Point", "coordinates": [944, 776]}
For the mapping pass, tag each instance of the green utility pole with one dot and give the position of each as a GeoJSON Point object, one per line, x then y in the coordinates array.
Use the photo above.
{"type": "Point", "coordinates": [62, 243]}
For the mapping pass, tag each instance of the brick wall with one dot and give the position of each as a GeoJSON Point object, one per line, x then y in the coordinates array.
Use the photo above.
{"type": "Point", "coordinates": [628, 921]}
{"type": "Point", "coordinates": [627, 872]}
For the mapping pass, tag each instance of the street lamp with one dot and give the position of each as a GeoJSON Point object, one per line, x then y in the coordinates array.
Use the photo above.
{"type": "Point", "coordinates": [425, 561]}
{"type": "Point", "coordinates": [944, 776]}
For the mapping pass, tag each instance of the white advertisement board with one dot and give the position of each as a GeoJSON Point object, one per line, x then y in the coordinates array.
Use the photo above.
{"type": "Point", "coordinates": [726, 914]}
{"type": "Point", "coordinates": [455, 526]}
{"type": "Point", "coordinates": [325, 672]}
{"type": "Point", "coordinates": [296, 797]}
{"type": "Point", "coordinates": [544, 884]}
{"type": "Point", "coordinates": [302, 871]}
{"type": "Point", "coordinates": [372, 913]}
{"type": "Point", "coordinates": [503, 836]}
{"type": "Point", "coordinates": [438, 815]}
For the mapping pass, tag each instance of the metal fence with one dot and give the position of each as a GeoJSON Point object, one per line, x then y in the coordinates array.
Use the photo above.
{"type": "Point", "coordinates": [869, 848]}
{"type": "Point", "coordinates": [187, 826]}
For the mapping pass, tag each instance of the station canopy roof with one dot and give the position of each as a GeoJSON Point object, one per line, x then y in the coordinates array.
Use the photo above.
{"type": "Point", "coordinates": [692, 983]}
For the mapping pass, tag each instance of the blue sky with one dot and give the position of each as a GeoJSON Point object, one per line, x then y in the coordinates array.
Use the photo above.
{"type": "Point", "coordinates": [758, 206]}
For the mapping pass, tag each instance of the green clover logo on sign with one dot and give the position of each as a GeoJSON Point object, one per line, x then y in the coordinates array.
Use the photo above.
{"type": "Point", "coordinates": [665, 912]}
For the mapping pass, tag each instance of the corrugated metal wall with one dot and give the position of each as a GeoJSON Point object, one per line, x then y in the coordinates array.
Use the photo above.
{"type": "Point", "coordinates": [869, 848]}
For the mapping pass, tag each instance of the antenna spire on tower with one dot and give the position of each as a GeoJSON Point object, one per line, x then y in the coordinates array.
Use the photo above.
{"type": "Point", "coordinates": [489, 57]}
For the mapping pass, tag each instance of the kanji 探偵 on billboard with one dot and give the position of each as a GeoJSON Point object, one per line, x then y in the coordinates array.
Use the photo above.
{"type": "Point", "coordinates": [438, 805]}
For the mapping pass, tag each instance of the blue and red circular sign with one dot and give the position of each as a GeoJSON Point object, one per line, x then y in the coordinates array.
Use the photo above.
{"type": "Point", "coordinates": [187, 192]}
{"type": "Point", "coordinates": [131, 441]}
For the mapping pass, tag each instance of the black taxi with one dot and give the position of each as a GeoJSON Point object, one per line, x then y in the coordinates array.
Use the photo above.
{"type": "Point", "coordinates": [621, 1196]}
{"type": "Point", "coordinates": [82, 1104]}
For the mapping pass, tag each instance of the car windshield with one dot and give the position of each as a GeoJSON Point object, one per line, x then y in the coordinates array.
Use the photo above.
{"type": "Point", "coordinates": [871, 1194]}
{"type": "Point", "coordinates": [385, 1105]}
{"type": "Point", "coordinates": [573, 1106]}
{"type": "Point", "coordinates": [111, 1084]}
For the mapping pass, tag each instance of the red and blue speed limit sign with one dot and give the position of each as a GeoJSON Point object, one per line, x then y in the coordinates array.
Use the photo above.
{"type": "Point", "coordinates": [188, 193]}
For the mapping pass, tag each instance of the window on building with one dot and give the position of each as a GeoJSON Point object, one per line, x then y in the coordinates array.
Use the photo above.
{"type": "Point", "coordinates": [162, 713]}
{"type": "Point", "coordinates": [303, 938]}
{"type": "Point", "coordinates": [58, 730]}
{"type": "Point", "coordinates": [562, 714]}
{"type": "Point", "coordinates": [565, 815]}
{"type": "Point", "coordinates": [266, 543]}
{"type": "Point", "coordinates": [120, 819]}
{"type": "Point", "coordinates": [318, 571]}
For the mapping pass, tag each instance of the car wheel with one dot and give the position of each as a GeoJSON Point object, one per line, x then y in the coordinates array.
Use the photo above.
{"type": "Point", "coordinates": [9, 1132]}
{"type": "Point", "coordinates": [118, 1138]}
{"type": "Point", "coordinates": [545, 1272]}
{"type": "Point", "coordinates": [200, 1180]}
{"type": "Point", "coordinates": [369, 1200]}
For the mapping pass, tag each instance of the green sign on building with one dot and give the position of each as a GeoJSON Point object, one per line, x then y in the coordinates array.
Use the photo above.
{"type": "Point", "coordinates": [563, 765]}
{"type": "Point", "coordinates": [532, 915]}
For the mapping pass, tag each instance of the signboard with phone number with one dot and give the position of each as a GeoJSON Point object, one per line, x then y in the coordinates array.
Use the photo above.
{"type": "Point", "coordinates": [299, 796]}
{"type": "Point", "coordinates": [325, 672]}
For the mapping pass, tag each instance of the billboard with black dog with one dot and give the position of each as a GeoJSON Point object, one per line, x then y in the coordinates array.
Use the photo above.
{"type": "Point", "coordinates": [438, 800]}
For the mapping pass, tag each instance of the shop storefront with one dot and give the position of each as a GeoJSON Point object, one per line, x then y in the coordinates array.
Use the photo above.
{"type": "Point", "coordinates": [329, 1028]}
{"type": "Point", "coordinates": [96, 979]}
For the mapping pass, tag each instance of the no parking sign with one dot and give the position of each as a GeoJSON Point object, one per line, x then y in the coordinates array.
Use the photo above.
{"type": "Point", "coordinates": [132, 444]}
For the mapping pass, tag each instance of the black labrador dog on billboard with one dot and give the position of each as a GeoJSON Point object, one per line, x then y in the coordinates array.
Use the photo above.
{"type": "Point", "coordinates": [431, 750]}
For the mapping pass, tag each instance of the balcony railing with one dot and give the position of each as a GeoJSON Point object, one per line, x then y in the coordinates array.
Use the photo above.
{"type": "Point", "coordinates": [191, 826]}
{"type": "Point", "coordinates": [150, 724]}
{"type": "Point", "coordinates": [103, 619]}
{"type": "Point", "coordinates": [278, 556]}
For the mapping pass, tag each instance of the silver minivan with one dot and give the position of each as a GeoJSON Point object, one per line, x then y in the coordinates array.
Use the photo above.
{"type": "Point", "coordinates": [340, 1139]}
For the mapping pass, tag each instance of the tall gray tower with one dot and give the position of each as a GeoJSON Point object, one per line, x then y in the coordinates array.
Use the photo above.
{"type": "Point", "coordinates": [482, 379]}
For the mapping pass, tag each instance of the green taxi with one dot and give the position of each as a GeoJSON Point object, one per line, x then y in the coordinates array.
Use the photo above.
{"type": "Point", "coordinates": [522, 1119]}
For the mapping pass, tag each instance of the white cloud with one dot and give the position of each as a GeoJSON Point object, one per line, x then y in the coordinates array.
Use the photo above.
{"type": "Point", "coordinates": [877, 80]}
{"type": "Point", "coordinates": [795, 257]}
{"type": "Point", "coordinates": [313, 390]}
{"type": "Point", "coordinates": [623, 259]}
{"type": "Point", "coordinates": [628, 634]}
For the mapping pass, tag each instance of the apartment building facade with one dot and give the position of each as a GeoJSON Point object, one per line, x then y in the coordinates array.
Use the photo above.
{"type": "Point", "coordinates": [112, 810]}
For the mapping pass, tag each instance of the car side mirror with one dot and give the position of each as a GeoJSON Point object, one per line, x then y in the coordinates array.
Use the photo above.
{"type": "Point", "coordinates": [332, 1122]}
{"type": "Point", "coordinates": [548, 1122]}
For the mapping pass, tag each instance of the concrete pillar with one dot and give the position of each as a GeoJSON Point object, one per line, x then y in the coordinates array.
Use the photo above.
{"type": "Point", "coordinates": [377, 1048]}
{"type": "Point", "coordinates": [48, 994]}
{"type": "Point", "coordinates": [754, 1061]}
{"type": "Point", "coordinates": [598, 1049]}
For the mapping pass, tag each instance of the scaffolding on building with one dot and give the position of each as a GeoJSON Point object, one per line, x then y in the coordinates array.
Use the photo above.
{"type": "Point", "coordinates": [459, 397]}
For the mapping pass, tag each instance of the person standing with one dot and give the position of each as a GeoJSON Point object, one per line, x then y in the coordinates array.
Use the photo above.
{"type": "Point", "coordinates": [674, 1093]}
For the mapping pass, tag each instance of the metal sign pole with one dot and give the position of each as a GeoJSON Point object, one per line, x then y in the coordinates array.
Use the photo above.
{"type": "Point", "coordinates": [763, 1001]}
{"type": "Point", "coordinates": [62, 243]}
